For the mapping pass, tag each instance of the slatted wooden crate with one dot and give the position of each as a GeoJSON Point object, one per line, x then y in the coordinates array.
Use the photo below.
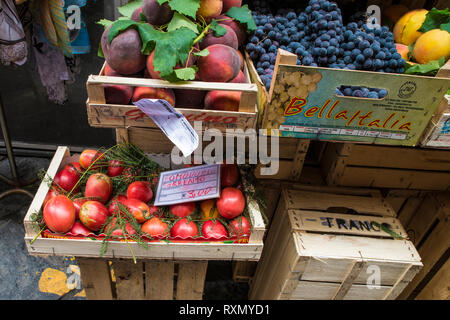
{"type": "Point", "coordinates": [429, 230]}
{"type": "Point", "coordinates": [118, 249]}
{"type": "Point", "coordinates": [357, 165]}
{"type": "Point", "coordinates": [243, 271]}
{"type": "Point", "coordinates": [103, 115]}
{"type": "Point", "coordinates": [304, 258]}
{"type": "Point", "coordinates": [147, 279]}
{"type": "Point", "coordinates": [292, 152]}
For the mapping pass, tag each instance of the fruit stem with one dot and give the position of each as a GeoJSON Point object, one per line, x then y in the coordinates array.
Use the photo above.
{"type": "Point", "coordinates": [39, 233]}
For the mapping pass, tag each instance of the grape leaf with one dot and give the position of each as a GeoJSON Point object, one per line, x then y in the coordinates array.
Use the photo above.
{"type": "Point", "coordinates": [436, 19]}
{"type": "Point", "coordinates": [120, 26]}
{"type": "Point", "coordinates": [128, 9]}
{"type": "Point", "coordinates": [180, 21]}
{"type": "Point", "coordinates": [187, 7]}
{"type": "Point", "coordinates": [186, 73]}
{"type": "Point", "coordinates": [202, 53]}
{"type": "Point", "coordinates": [169, 47]}
{"type": "Point", "coordinates": [430, 68]}
{"type": "Point", "coordinates": [218, 30]}
{"type": "Point", "coordinates": [244, 16]}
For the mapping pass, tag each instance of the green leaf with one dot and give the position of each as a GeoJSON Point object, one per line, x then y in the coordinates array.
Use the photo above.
{"type": "Point", "coordinates": [448, 91]}
{"type": "Point", "coordinates": [170, 48]}
{"type": "Point", "coordinates": [430, 68]}
{"type": "Point", "coordinates": [218, 30]}
{"type": "Point", "coordinates": [202, 53]}
{"type": "Point", "coordinates": [446, 27]}
{"type": "Point", "coordinates": [105, 23]}
{"type": "Point", "coordinates": [244, 16]}
{"type": "Point", "coordinates": [120, 26]}
{"type": "Point", "coordinates": [435, 19]}
{"type": "Point", "coordinates": [100, 51]}
{"type": "Point", "coordinates": [128, 9]}
{"type": "Point", "coordinates": [180, 21]}
{"type": "Point", "coordinates": [186, 73]}
{"type": "Point", "coordinates": [187, 7]}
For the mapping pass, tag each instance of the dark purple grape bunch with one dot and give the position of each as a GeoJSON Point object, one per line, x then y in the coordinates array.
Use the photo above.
{"type": "Point", "coordinates": [325, 31]}
{"type": "Point", "coordinates": [370, 50]}
{"type": "Point", "coordinates": [361, 92]}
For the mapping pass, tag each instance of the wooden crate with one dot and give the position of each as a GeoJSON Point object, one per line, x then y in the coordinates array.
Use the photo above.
{"type": "Point", "coordinates": [292, 152]}
{"type": "Point", "coordinates": [437, 134]}
{"type": "Point", "coordinates": [243, 271]}
{"type": "Point", "coordinates": [103, 115]}
{"type": "Point", "coordinates": [429, 230]}
{"type": "Point", "coordinates": [303, 258]}
{"type": "Point", "coordinates": [358, 165]}
{"type": "Point", "coordinates": [147, 279]}
{"type": "Point", "coordinates": [321, 115]}
{"type": "Point", "coordinates": [405, 202]}
{"type": "Point", "coordinates": [119, 249]}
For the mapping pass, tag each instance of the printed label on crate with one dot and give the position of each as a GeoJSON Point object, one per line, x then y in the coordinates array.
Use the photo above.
{"type": "Point", "coordinates": [189, 184]}
{"type": "Point", "coordinates": [306, 104]}
{"type": "Point", "coordinates": [172, 123]}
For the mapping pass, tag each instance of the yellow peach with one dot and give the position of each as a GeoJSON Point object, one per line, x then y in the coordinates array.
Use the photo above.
{"type": "Point", "coordinates": [406, 28]}
{"type": "Point", "coordinates": [432, 45]}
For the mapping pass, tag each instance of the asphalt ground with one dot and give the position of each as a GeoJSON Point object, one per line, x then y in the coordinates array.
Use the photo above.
{"type": "Point", "coordinates": [26, 277]}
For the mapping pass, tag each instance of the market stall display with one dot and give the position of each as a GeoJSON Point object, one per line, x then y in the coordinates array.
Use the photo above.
{"type": "Point", "coordinates": [113, 223]}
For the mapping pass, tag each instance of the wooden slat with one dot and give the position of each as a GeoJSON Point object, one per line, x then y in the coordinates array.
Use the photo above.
{"type": "Point", "coordinates": [324, 291]}
{"type": "Point", "coordinates": [155, 83]}
{"type": "Point", "coordinates": [31, 228]}
{"type": "Point", "coordinates": [429, 212]}
{"type": "Point", "coordinates": [431, 251]}
{"type": "Point", "coordinates": [159, 279]}
{"type": "Point", "coordinates": [243, 271]}
{"type": "Point", "coordinates": [324, 201]}
{"type": "Point", "coordinates": [191, 280]}
{"type": "Point", "coordinates": [129, 279]}
{"type": "Point", "coordinates": [394, 178]}
{"type": "Point", "coordinates": [402, 282]}
{"type": "Point", "coordinates": [156, 250]}
{"type": "Point", "coordinates": [122, 116]}
{"type": "Point", "coordinates": [299, 159]}
{"type": "Point", "coordinates": [122, 136]}
{"type": "Point", "coordinates": [399, 157]}
{"type": "Point", "coordinates": [326, 223]}
{"type": "Point", "coordinates": [345, 286]}
{"type": "Point", "coordinates": [96, 278]}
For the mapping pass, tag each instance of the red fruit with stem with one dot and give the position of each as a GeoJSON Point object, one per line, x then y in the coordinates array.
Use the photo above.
{"type": "Point", "coordinates": [231, 203]}
{"type": "Point", "coordinates": [184, 229]}
{"type": "Point", "coordinates": [59, 214]}
{"type": "Point", "coordinates": [155, 228]}
{"type": "Point", "coordinates": [93, 214]}
{"type": "Point", "coordinates": [115, 168]}
{"type": "Point", "coordinates": [98, 186]}
{"type": "Point", "coordinates": [113, 207]}
{"type": "Point", "coordinates": [183, 209]}
{"type": "Point", "coordinates": [214, 230]}
{"type": "Point", "coordinates": [240, 226]}
{"type": "Point", "coordinates": [140, 190]}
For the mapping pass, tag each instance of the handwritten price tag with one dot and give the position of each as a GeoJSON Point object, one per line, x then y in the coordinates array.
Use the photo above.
{"type": "Point", "coordinates": [189, 184]}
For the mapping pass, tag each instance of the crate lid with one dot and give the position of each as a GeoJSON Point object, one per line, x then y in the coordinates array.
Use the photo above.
{"type": "Point", "coordinates": [337, 203]}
